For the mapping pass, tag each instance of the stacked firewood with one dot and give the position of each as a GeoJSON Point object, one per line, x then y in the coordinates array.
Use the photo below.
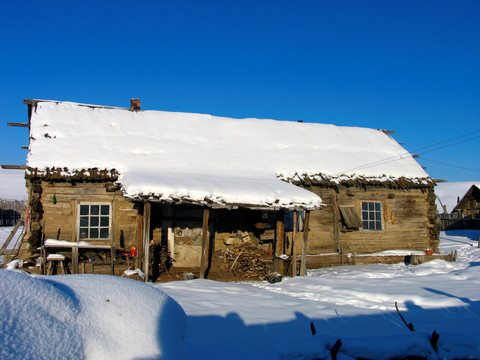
{"type": "Point", "coordinates": [248, 260]}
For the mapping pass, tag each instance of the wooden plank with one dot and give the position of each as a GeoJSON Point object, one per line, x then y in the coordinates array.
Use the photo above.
{"type": "Point", "coordinates": [205, 244]}
{"type": "Point", "coordinates": [18, 124]}
{"type": "Point", "coordinates": [12, 234]}
{"type": "Point", "coordinates": [14, 167]}
{"type": "Point", "coordinates": [147, 207]}
{"type": "Point", "coordinates": [303, 263]}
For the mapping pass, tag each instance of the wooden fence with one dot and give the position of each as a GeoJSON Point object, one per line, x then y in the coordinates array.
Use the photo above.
{"type": "Point", "coordinates": [457, 222]}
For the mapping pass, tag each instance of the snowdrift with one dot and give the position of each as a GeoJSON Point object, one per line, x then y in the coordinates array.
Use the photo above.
{"type": "Point", "coordinates": [87, 317]}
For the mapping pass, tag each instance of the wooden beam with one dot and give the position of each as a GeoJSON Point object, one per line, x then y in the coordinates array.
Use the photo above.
{"type": "Point", "coordinates": [18, 124]}
{"type": "Point", "coordinates": [205, 244]}
{"type": "Point", "coordinates": [14, 167]}
{"type": "Point", "coordinates": [139, 255]}
{"type": "Point", "coordinates": [294, 250]}
{"type": "Point", "coordinates": [336, 222]}
{"type": "Point", "coordinates": [280, 235]}
{"type": "Point", "coordinates": [303, 263]}
{"type": "Point", "coordinates": [147, 208]}
{"type": "Point", "coordinates": [279, 242]}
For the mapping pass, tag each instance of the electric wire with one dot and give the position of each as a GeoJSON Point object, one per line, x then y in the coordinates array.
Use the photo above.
{"type": "Point", "coordinates": [402, 155]}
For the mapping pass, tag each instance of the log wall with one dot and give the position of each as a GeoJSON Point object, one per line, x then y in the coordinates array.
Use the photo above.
{"type": "Point", "coordinates": [409, 221]}
{"type": "Point", "coordinates": [59, 205]}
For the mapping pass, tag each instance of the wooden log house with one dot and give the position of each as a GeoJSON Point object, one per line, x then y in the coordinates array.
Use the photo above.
{"type": "Point", "coordinates": [178, 193]}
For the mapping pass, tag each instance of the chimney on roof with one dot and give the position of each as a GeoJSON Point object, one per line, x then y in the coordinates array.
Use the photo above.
{"type": "Point", "coordinates": [135, 104]}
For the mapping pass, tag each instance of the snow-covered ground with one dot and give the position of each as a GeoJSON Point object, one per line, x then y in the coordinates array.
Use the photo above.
{"type": "Point", "coordinates": [353, 303]}
{"type": "Point", "coordinates": [4, 233]}
{"type": "Point", "coordinates": [254, 320]}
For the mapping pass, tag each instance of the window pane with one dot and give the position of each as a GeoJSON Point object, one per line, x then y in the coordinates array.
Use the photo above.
{"type": "Point", "coordinates": [377, 216]}
{"type": "Point", "coordinates": [94, 221]}
{"type": "Point", "coordinates": [365, 225]}
{"type": "Point", "coordinates": [83, 209]}
{"type": "Point", "coordinates": [104, 221]}
{"type": "Point", "coordinates": [377, 206]}
{"type": "Point", "coordinates": [378, 225]}
{"type": "Point", "coordinates": [371, 216]}
{"type": "Point", "coordinates": [104, 233]}
{"type": "Point", "coordinates": [93, 233]}
{"type": "Point", "coordinates": [364, 206]}
{"type": "Point", "coordinates": [371, 206]}
{"type": "Point", "coordinates": [94, 209]}
{"type": "Point", "coordinates": [364, 215]}
{"type": "Point", "coordinates": [84, 221]}
{"type": "Point", "coordinates": [83, 233]}
{"type": "Point", "coordinates": [105, 209]}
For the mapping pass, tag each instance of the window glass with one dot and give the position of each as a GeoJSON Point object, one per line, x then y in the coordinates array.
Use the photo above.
{"type": "Point", "coordinates": [104, 233]}
{"type": "Point", "coordinates": [83, 209]}
{"type": "Point", "coordinates": [94, 221]}
{"type": "Point", "coordinates": [104, 221]}
{"type": "Point", "coordinates": [372, 215]}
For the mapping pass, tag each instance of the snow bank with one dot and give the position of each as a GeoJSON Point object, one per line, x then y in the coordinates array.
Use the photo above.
{"type": "Point", "coordinates": [87, 317]}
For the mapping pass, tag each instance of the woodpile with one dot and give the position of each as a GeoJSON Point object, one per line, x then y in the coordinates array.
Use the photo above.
{"type": "Point", "coordinates": [247, 260]}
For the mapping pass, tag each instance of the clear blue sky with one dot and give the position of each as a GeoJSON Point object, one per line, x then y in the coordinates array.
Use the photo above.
{"type": "Point", "coordinates": [409, 66]}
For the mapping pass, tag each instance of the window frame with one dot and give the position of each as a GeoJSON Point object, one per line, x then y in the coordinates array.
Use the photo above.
{"type": "Point", "coordinates": [99, 226]}
{"type": "Point", "coordinates": [368, 221]}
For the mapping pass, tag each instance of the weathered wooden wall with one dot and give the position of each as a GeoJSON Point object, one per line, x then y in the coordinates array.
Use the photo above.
{"type": "Point", "coordinates": [59, 217]}
{"type": "Point", "coordinates": [409, 221]}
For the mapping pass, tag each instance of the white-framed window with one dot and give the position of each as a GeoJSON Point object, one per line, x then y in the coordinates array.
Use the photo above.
{"type": "Point", "coordinates": [94, 221]}
{"type": "Point", "coordinates": [372, 215]}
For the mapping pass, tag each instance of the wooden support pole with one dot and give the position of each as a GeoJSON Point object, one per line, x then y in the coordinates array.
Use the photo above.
{"type": "Point", "coordinates": [147, 207]}
{"type": "Point", "coordinates": [138, 256]}
{"type": "Point", "coordinates": [294, 250]}
{"type": "Point", "coordinates": [303, 264]}
{"type": "Point", "coordinates": [336, 221]}
{"type": "Point", "coordinates": [205, 244]}
{"type": "Point", "coordinates": [279, 242]}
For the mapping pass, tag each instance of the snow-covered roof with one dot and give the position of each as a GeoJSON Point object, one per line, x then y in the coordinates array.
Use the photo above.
{"type": "Point", "coordinates": [173, 155]}
{"type": "Point", "coordinates": [450, 193]}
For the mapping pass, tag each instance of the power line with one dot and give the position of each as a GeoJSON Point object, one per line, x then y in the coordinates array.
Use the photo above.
{"type": "Point", "coordinates": [444, 141]}
{"type": "Point", "coordinates": [455, 166]}
{"type": "Point", "coordinates": [443, 147]}
{"type": "Point", "coordinates": [401, 155]}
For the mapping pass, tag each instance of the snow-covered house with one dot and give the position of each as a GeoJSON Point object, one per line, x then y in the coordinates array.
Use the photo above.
{"type": "Point", "coordinates": [469, 204]}
{"type": "Point", "coordinates": [189, 185]}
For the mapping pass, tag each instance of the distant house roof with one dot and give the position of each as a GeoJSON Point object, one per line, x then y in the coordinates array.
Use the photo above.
{"type": "Point", "coordinates": [466, 201]}
{"type": "Point", "coordinates": [219, 160]}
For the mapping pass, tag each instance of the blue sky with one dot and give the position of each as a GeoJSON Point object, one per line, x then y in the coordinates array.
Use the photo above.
{"type": "Point", "coordinates": [408, 66]}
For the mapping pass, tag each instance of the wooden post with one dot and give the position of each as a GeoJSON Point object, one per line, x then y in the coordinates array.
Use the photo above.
{"type": "Point", "coordinates": [336, 217]}
{"type": "Point", "coordinates": [279, 242]}
{"type": "Point", "coordinates": [138, 257]}
{"type": "Point", "coordinates": [147, 207]}
{"type": "Point", "coordinates": [205, 244]}
{"type": "Point", "coordinates": [294, 250]}
{"type": "Point", "coordinates": [303, 264]}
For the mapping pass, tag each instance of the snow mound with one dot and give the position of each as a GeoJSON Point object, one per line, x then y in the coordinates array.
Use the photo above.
{"type": "Point", "coordinates": [87, 317]}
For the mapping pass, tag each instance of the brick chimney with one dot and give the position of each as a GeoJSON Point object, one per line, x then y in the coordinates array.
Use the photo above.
{"type": "Point", "coordinates": [135, 104]}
